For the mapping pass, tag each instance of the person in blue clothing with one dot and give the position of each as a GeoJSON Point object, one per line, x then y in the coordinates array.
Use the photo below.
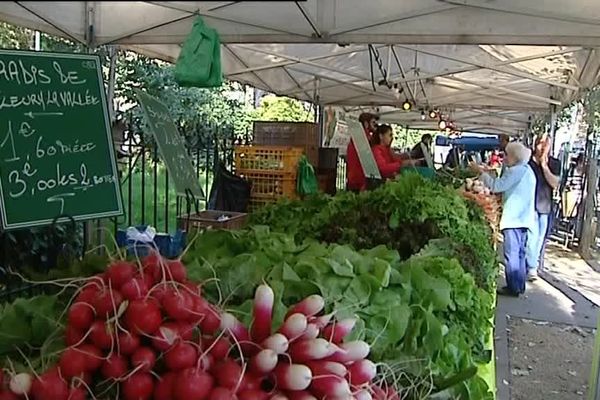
{"type": "Point", "coordinates": [517, 185]}
{"type": "Point", "coordinates": [547, 176]}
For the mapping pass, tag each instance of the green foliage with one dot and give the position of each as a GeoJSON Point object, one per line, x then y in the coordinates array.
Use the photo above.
{"type": "Point", "coordinates": [455, 178]}
{"type": "Point", "coordinates": [403, 215]}
{"type": "Point", "coordinates": [42, 247]}
{"type": "Point", "coordinates": [33, 326]}
{"type": "Point", "coordinates": [425, 313]}
{"type": "Point", "coordinates": [274, 108]}
{"type": "Point", "coordinates": [13, 37]}
{"type": "Point", "coordinates": [194, 110]}
{"type": "Point", "coordinates": [406, 138]}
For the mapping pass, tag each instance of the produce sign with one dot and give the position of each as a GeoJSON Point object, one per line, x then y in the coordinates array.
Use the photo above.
{"type": "Point", "coordinates": [144, 331]}
{"type": "Point", "coordinates": [56, 151]}
{"type": "Point", "coordinates": [172, 147]}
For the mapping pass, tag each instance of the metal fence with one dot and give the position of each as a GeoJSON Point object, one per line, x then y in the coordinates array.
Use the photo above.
{"type": "Point", "coordinates": [149, 196]}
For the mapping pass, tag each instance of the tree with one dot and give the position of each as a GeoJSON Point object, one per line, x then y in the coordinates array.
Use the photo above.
{"type": "Point", "coordinates": [195, 111]}
{"type": "Point", "coordinates": [14, 37]}
{"type": "Point", "coordinates": [275, 108]}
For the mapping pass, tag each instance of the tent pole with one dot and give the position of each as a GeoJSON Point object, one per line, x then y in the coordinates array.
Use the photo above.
{"type": "Point", "coordinates": [588, 231]}
{"type": "Point", "coordinates": [37, 41]}
{"type": "Point", "coordinates": [90, 17]}
{"type": "Point", "coordinates": [552, 128]}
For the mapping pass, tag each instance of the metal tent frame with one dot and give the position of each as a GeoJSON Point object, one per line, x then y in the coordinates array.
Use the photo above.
{"type": "Point", "coordinates": [491, 65]}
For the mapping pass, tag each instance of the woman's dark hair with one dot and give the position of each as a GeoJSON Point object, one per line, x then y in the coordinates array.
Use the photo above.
{"type": "Point", "coordinates": [379, 132]}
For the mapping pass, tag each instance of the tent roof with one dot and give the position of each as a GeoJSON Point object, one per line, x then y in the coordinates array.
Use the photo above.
{"type": "Point", "coordinates": [490, 64]}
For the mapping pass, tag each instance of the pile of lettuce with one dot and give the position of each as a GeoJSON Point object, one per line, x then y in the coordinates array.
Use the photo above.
{"type": "Point", "coordinates": [403, 215]}
{"type": "Point", "coordinates": [424, 316]}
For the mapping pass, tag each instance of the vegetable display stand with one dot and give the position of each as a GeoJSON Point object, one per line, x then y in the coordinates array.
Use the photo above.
{"type": "Point", "coordinates": [212, 219]}
{"type": "Point", "coordinates": [488, 371]}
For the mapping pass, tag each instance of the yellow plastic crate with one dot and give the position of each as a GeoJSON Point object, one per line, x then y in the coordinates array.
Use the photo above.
{"type": "Point", "coordinates": [257, 159]}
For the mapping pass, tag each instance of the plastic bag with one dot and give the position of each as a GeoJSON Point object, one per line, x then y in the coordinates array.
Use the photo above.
{"type": "Point", "coordinates": [199, 62]}
{"type": "Point", "coordinates": [228, 192]}
{"type": "Point", "coordinates": [307, 182]}
{"type": "Point", "coordinates": [145, 235]}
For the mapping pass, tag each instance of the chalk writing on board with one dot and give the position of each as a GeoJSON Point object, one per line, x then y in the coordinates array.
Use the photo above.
{"type": "Point", "coordinates": [55, 141]}
{"type": "Point", "coordinates": [171, 145]}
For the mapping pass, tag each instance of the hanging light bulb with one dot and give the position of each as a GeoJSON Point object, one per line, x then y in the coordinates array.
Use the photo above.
{"type": "Point", "coordinates": [432, 114]}
{"type": "Point", "coordinates": [442, 124]}
{"type": "Point", "coordinates": [423, 115]}
{"type": "Point", "coordinates": [406, 106]}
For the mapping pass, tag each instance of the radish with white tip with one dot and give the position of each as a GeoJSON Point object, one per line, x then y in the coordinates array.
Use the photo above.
{"type": "Point", "coordinates": [262, 313]}
{"type": "Point", "coordinates": [20, 384]}
{"type": "Point", "coordinates": [312, 305]}
{"type": "Point", "coordinates": [294, 326]}
{"type": "Point", "coordinates": [293, 376]}
{"type": "Point", "coordinates": [277, 342]}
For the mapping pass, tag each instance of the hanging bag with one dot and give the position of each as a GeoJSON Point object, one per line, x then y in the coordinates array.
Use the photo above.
{"type": "Point", "coordinates": [199, 62]}
{"type": "Point", "coordinates": [307, 180]}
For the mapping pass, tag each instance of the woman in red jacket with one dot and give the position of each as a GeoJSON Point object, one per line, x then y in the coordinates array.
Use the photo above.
{"type": "Point", "coordinates": [389, 164]}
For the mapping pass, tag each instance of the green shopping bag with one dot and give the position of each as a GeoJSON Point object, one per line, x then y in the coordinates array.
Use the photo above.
{"type": "Point", "coordinates": [199, 62]}
{"type": "Point", "coordinates": [307, 180]}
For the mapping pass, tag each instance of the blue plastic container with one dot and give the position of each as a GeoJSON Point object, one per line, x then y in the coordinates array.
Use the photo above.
{"type": "Point", "coordinates": [169, 246]}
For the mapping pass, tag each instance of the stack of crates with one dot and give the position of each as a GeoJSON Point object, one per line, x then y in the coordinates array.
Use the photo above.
{"type": "Point", "coordinates": [272, 171]}
{"type": "Point", "coordinates": [296, 134]}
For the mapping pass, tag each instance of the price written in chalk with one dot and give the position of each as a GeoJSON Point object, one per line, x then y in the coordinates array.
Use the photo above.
{"type": "Point", "coordinates": [25, 179]}
{"type": "Point", "coordinates": [56, 155]}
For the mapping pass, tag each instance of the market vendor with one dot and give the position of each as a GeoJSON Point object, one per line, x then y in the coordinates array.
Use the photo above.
{"type": "Point", "coordinates": [422, 151]}
{"type": "Point", "coordinates": [355, 176]}
{"type": "Point", "coordinates": [453, 159]}
{"type": "Point", "coordinates": [517, 185]}
{"type": "Point", "coordinates": [389, 164]}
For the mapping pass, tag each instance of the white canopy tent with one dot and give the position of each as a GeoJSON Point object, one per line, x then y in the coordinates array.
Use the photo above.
{"type": "Point", "coordinates": [489, 64]}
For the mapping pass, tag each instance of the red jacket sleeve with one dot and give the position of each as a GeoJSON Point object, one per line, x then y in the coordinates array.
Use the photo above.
{"type": "Point", "coordinates": [388, 167]}
{"type": "Point", "coordinates": [354, 173]}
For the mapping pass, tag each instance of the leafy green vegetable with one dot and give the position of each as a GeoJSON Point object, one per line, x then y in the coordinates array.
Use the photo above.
{"type": "Point", "coordinates": [426, 310]}
{"type": "Point", "coordinates": [403, 215]}
{"type": "Point", "coordinates": [33, 327]}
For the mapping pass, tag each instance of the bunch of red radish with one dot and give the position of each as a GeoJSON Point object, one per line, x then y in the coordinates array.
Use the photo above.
{"type": "Point", "coordinates": [141, 332]}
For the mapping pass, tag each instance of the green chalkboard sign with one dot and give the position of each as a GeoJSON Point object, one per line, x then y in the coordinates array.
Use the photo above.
{"type": "Point", "coordinates": [56, 150]}
{"type": "Point", "coordinates": [171, 146]}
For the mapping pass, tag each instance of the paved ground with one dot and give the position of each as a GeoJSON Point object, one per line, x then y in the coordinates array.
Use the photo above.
{"type": "Point", "coordinates": [544, 339]}
{"type": "Point", "coordinates": [535, 348]}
